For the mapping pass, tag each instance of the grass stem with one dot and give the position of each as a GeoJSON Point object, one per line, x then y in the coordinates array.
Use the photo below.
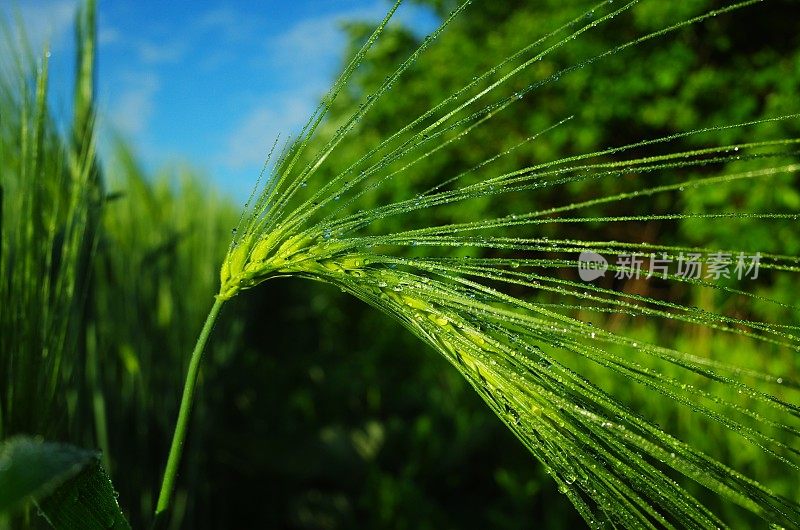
{"type": "Point", "coordinates": [176, 449]}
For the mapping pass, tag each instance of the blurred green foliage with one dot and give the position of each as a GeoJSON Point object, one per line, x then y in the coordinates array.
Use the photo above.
{"type": "Point", "coordinates": [344, 421]}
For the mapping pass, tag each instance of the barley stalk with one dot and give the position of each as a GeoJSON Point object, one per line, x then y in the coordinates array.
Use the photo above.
{"type": "Point", "coordinates": [614, 465]}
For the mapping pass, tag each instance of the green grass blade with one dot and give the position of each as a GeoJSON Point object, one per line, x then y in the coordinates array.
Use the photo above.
{"type": "Point", "coordinates": [68, 484]}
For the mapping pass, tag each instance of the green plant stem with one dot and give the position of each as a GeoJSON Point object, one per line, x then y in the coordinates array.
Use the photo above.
{"type": "Point", "coordinates": [176, 449]}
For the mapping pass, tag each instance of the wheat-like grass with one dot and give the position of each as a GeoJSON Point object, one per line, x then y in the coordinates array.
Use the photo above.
{"type": "Point", "coordinates": [478, 310]}
{"type": "Point", "coordinates": [50, 195]}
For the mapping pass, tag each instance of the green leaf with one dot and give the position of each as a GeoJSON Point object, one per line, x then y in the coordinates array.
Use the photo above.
{"type": "Point", "coordinates": [32, 469]}
{"type": "Point", "coordinates": [68, 483]}
{"type": "Point", "coordinates": [86, 502]}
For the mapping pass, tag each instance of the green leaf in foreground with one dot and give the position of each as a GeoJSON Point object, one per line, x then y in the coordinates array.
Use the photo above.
{"type": "Point", "coordinates": [68, 483]}
{"type": "Point", "coordinates": [31, 469]}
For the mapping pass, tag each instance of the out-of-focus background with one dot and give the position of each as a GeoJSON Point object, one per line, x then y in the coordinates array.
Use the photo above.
{"type": "Point", "coordinates": [315, 411]}
{"type": "Point", "coordinates": [211, 84]}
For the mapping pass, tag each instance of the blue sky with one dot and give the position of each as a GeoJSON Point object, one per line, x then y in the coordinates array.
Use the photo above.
{"type": "Point", "coordinates": [206, 83]}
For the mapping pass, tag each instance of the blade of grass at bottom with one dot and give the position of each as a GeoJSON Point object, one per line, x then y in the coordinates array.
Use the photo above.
{"type": "Point", "coordinates": [68, 484]}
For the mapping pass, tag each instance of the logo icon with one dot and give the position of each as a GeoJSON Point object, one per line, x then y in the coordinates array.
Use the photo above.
{"type": "Point", "coordinates": [591, 266]}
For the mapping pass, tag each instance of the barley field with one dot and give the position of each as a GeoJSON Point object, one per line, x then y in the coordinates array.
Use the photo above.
{"type": "Point", "coordinates": [535, 267]}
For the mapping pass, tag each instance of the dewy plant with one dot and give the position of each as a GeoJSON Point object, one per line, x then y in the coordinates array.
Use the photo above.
{"type": "Point", "coordinates": [468, 289]}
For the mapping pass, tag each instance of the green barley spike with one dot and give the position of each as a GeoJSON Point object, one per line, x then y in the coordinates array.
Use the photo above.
{"type": "Point", "coordinates": [465, 288]}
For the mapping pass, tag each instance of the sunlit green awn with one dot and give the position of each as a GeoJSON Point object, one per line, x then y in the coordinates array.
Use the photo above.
{"type": "Point", "coordinates": [614, 465]}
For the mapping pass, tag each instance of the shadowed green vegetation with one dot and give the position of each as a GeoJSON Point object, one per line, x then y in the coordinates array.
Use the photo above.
{"type": "Point", "coordinates": [314, 409]}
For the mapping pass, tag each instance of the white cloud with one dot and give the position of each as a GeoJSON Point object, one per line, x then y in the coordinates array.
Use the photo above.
{"type": "Point", "coordinates": [217, 18]}
{"type": "Point", "coordinates": [313, 39]}
{"type": "Point", "coordinates": [162, 53]}
{"type": "Point", "coordinates": [304, 55]}
{"type": "Point", "coordinates": [227, 23]}
{"type": "Point", "coordinates": [108, 35]}
{"type": "Point", "coordinates": [216, 59]}
{"type": "Point", "coordinates": [249, 140]}
{"type": "Point", "coordinates": [132, 110]}
{"type": "Point", "coordinates": [314, 44]}
{"type": "Point", "coordinates": [45, 21]}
